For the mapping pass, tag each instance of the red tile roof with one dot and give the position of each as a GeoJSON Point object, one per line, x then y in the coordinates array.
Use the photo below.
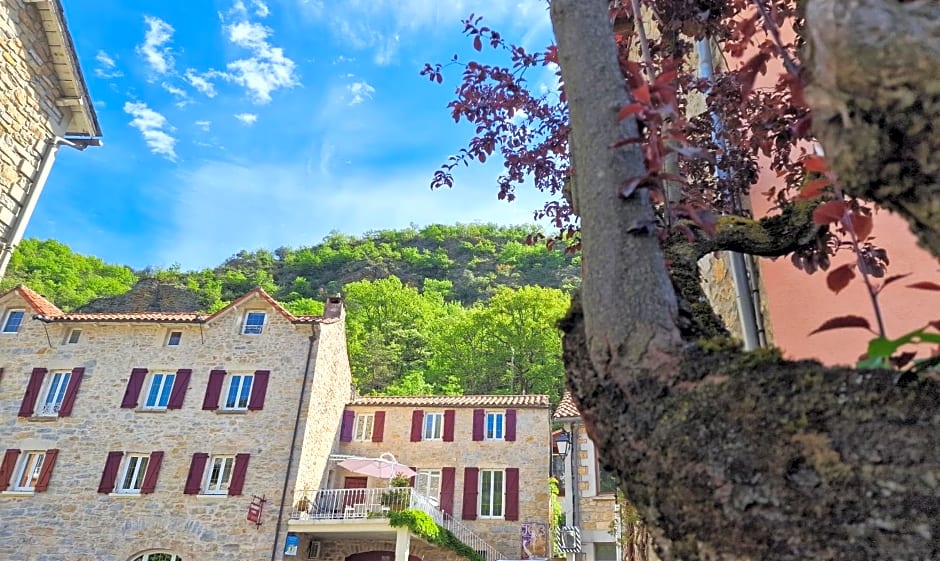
{"type": "Point", "coordinates": [455, 401]}
{"type": "Point", "coordinates": [39, 304]}
{"type": "Point", "coordinates": [51, 313]}
{"type": "Point", "coordinates": [566, 408]}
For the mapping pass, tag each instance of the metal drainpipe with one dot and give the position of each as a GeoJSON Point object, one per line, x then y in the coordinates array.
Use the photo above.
{"type": "Point", "coordinates": [293, 440]}
{"type": "Point", "coordinates": [746, 304]}
{"type": "Point", "coordinates": [575, 483]}
{"type": "Point", "coordinates": [32, 197]}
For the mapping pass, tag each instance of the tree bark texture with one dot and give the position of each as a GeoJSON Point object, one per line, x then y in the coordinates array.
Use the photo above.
{"type": "Point", "coordinates": [875, 95]}
{"type": "Point", "coordinates": [727, 455]}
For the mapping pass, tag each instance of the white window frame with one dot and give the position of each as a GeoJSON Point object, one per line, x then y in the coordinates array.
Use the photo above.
{"type": "Point", "coordinates": [29, 464]}
{"type": "Point", "coordinates": [492, 494]}
{"type": "Point", "coordinates": [159, 380]}
{"type": "Point", "coordinates": [433, 427]}
{"type": "Point", "coordinates": [241, 384]}
{"type": "Point", "coordinates": [253, 329]}
{"type": "Point", "coordinates": [132, 474]}
{"type": "Point", "coordinates": [8, 316]}
{"type": "Point", "coordinates": [73, 337]}
{"type": "Point", "coordinates": [218, 476]}
{"type": "Point", "coordinates": [363, 427]}
{"type": "Point", "coordinates": [57, 383]}
{"type": "Point", "coordinates": [428, 483]}
{"type": "Point", "coordinates": [169, 338]}
{"type": "Point", "coordinates": [499, 425]}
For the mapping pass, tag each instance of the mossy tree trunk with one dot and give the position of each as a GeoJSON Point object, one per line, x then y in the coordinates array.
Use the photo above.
{"type": "Point", "coordinates": [727, 455]}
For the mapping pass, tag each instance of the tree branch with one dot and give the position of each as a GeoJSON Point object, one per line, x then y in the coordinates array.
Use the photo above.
{"type": "Point", "coordinates": [772, 236]}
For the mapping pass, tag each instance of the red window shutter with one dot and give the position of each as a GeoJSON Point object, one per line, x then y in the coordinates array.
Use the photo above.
{"type": "Point", "coordinates": [213, 390]}
{"type": "Point", "coordinates": [153, 471]}
{"type": "Point", "coordinates": [6, 468]}
{"type": "Point", "coordinates": [346, 430]}
{"type": "Point", "coordinates": [470, 493]}
{"type": "Point", "coordinates": [511, 425]}
{"type": "Point", "coordinates": [449, 425]}
{"type": "Point", "coordinates": [417, 419]}
{"type": "Point", "coordinates": [180, 385]}
{"type": "Point", "coordinates": [134, 385]}
{"type": "Point", "coordinates": [378, 426]}
{"type": "Point", "coordinates": [32, 392]}
{"type": "Point", "coordinates": [478, 418]}
{"type": "Point", "coordinates": [447, 489]}
{"type": "Point", "coordinates": [238, 474]}
{"type": "Point", "coordinates": [512, 494]}
{"type": "Point", "coordinates": [196, 468]}
{"type": "Point", "coordinates": [45, 472]}
{"type": "Point", "coordinates": [68, 400]}
{"type": "Point", "coordinates": [109, 475]}
{"type": "Point", "coordinates": [259, 387]}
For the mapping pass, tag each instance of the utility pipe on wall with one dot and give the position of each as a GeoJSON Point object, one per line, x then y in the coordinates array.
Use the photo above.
{"type": "Point", "coordinates": [751, 330]}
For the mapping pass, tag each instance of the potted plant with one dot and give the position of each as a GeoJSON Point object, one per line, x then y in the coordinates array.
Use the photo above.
{"type": "Point", "coordinates": [303, 506]}
{"type": "Point", "coordinates": [399, 493]}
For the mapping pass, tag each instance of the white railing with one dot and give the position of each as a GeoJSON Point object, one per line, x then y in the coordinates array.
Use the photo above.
{"type": "Point", "coordinates": [364, 504]}
{"type": "Point", "coordinates": [49, 410]}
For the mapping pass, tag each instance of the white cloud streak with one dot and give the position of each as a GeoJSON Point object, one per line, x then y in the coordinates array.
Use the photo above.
{"type": "Point", "coordinates": [267, 69]}
{"type": "Point", "coordinates": [153, 126]}
{"type": "Point", "coordinates": [201, 81]}
{"type": "Point", "coordinates": [204, 125]}
{"type": "Point", "coordinates": [107, 68]}
{"type": "Point", "coordinates": [153, 49]}
{"type": "Point", "coordinates": [247, 118]}
{"type": "Point", "coordinates": [360, 92]}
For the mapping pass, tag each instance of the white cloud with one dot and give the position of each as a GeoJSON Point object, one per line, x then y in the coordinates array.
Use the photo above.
{"type": "Point", "coordinates": [107, 67]}
{"type": "Point", "coordinates": [158, 34]}
{"type": "Point", "coordinates": [261, 9]}
{"type": "Point", "coordinates": [204, 125]}
{"type": "Point", "coordinates": [201, 81]}
{"type": "Point", "coordinates": [153, 126]}
{"type": "Point", "coordinates": [247, 118]}
{"type": "Point", "coordinates": [179, 93]}
{"type": "Point", "coordinates": [360, 92]}
{"type": "Point", "coordinates": [267, 69]}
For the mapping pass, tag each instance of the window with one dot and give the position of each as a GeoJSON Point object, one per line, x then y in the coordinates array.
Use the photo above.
{"type": "Point", "coordinates": [433, 425]}
{"type": "Point", "coordinates": [605, 551]}
{"type": "Point", "coordinates": [158, 557]}
{"type": "Point", "coordinates": [239, 391]}
{"type": "Point", "coordinates": [428, 483]}
{"type": "Point", "coordinates": [27, 473]}
{"type": "Point", "coordinates": [363, 430]}
{"type": "Point", "coordinates": [492, 493]}
{"type": "Point", "coordinates": [74, 336]}
{"type": "Point", "coordinates": [159, 394]}
{"type": "Point", "coordinates": [606, 481]}
{"type": "Point", "coordinates": [254, 323]}
{"type": "Point", "coordinates": [173, 338]}
{"type": "Point", "coordinates": [132, 479]}
{"type": "Point", "coordinates": [219, 475]}
{"type": "Point", "coordinates": [55, 393]}
{"type": "Point", "coordinates": [494, 425]}
{"type": "Point", "coordinates": [11, 324]}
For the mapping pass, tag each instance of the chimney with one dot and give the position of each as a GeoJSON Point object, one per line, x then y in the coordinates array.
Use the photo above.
{"type": "Point", "coordinates": [333, 307]}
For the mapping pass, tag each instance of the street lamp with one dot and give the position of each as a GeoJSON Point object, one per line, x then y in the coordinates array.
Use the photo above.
{"type": "Point", "coordinates": [563, 443]}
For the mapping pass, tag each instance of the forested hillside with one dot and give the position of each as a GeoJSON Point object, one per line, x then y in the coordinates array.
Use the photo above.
{"type": "Point", "coordinates": [443, 309]}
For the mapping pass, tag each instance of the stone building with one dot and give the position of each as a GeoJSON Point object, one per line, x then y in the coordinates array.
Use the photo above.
{"type": "Point", "coordinates": [481, 471]}
{"type": "Point", "coordinates": [44, 104]}
{"type": "Point", "coordinates": [146, 436]}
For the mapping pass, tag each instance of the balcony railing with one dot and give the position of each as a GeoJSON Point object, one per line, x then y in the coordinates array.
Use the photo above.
{"type": "Point", "coordinates": [376, 503]}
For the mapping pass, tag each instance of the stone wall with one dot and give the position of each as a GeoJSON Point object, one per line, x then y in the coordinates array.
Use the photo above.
{"type": "Point", "coordinates": [529, 453]}
{"type": "Point", "coordinates": [71, 520]}
{"type": "Point", "coordinates": [148, 295]}
{"type": "Point", "coordinates": [29, 116]}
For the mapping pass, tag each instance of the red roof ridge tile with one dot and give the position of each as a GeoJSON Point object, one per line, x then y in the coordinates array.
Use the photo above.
{"type": "Point", "coordinates": [523, 400]}
{"type": "Point", "coordinates": [35, 300]}
{"type": "Point", "coordinates": [567, 408]}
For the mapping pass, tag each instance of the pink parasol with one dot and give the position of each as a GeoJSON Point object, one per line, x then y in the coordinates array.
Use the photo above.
{"type": "Point", "coordinates": [383, 467]}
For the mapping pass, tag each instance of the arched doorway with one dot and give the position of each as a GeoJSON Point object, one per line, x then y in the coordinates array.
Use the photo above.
{"type": "Point", "coordinates": [156, 556]}
{"type": "Point", "coordinates": [378, 556]}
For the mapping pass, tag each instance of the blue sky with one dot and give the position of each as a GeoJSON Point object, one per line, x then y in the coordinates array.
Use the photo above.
{"type": "Point", "coordinates": [245, 124]}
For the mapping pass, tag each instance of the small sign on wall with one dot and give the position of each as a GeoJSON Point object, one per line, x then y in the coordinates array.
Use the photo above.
{"type": "Point", "coordinates": [534, 540]}
{"type": "Point", "coordinates": [291, 544]}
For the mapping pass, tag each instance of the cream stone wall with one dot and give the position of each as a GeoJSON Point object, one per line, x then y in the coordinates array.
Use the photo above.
{"type": "Point", "coordinates": [71, 521]}
{"type": "Point", "coordinates": [29, 116]}
{"type": "Point", "coordinates": [529, 453]}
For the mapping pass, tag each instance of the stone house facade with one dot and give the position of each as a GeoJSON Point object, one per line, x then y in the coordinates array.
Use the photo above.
{"type": "Point", "coordinates": [482, 460]}
{"type": "Point", "coordinates": [138, 436]}
{"type": "Point", "coordinates": [44, 104]}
